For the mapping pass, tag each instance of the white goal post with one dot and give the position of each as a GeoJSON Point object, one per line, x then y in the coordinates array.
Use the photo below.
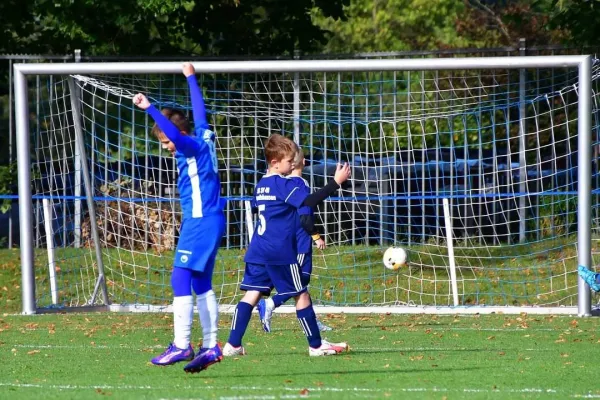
{"type": "Point", "coordinates": [583, 86]}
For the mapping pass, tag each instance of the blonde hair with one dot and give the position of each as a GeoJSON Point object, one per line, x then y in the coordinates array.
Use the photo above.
{"type": "Point", "coordinates": [176, 117]}
{"type": "Point", "coordinates": [278, 147]}
{"type": "Point", "coordinates": [298, 157]}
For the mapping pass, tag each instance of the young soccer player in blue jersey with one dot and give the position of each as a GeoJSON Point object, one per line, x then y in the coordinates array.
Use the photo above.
{"type": "Point", "coordinates": [305, 234]}
{"type": "Point", "coordinates": [590, 277]}
{"type": "Point", "coordinates": [271, 259]}
{"type": "Point", "coordinates": [202, 226]}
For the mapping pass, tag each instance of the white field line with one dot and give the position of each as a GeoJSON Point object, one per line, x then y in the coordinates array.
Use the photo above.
{"type": "Point", "coordinates": [251, 397]}
{"type": "Point", "coordinates": [311, 390]}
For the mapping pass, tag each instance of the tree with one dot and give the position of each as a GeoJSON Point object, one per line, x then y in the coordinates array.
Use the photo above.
{"type": "Point", "coordinates": [580, 17]}
{"type": "Point", "coordinates": [167, 27]}
{"type": "Point", "coordinates": [396, 25]}
{"type": "Point", "coordinates": [510, 21]}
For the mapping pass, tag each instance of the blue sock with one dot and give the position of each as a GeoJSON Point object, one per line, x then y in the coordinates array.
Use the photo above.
{"type": "Point", "coordinates": [239, 323]}
{"type": "Point", "coordinates": [308, 322]}
{"type": "Point", "coordinates": [598, 279]}
{"type": "Point", "coordinates": [279, 299]}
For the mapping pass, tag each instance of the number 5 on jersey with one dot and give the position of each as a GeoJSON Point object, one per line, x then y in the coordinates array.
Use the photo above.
{"type": "Point", "coordinates": [261, 219]}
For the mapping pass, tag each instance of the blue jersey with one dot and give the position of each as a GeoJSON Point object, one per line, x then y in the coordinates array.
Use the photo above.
{"type": "Point", "coordinates": [303, 239]}
{"type": "Point", "coordinates": [277, 200]}
{"type": "Point", "coordinates": [198, 183]}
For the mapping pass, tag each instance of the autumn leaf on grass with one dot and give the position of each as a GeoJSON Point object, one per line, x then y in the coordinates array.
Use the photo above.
{"type": "Point", "coordinates": [573, 323]}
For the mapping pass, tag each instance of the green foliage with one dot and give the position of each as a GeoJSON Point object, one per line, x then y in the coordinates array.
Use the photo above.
{"type": "Point", "coordinates": [393, 25]}
{"type": "Point", "coordinates": [580, 17]}
{"type": "Point", "coordinates": [8, 181]}
{"type": "Point", "coordinates": [139, 27]}
{"type": "Point", "coordinates": [397, 25]}
{"type": "Point", "coordinates": [557, 216]}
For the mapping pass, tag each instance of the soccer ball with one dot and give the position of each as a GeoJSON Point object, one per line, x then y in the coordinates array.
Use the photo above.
{"type": "Point", "coordinates": [394, 258]}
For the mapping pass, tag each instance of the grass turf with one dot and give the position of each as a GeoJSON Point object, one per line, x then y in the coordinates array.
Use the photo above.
{"type": "Point", "coordinates": [421, 356]}
{"type": "Point", "coordinates": [417, 356]}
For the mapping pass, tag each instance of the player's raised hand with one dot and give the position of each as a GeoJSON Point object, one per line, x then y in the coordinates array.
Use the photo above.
{"type": "Point", "coordinates": [141, 101]}
{"type": "Point", "coordinates": [188, 69]}
{"type": "Point", "coordinates": [320, 244]}
{"type": "Point", "coordinates": [342, 173]}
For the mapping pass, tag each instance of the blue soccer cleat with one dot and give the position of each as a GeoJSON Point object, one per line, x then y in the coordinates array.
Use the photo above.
{"type": "Point", "coordinates": [205, 358]}
{"type": "Point", "coordinates": [323, 327]}
{"type": "Point", "coordinates": [265, 312]}
{"type": "Point", "coordinates": [173, 355]}
{"type": "Point", "coordinates": [590, 278]}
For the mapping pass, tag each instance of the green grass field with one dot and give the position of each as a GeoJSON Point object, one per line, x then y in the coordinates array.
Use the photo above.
{"type": "Point", "coordinates": [417, 356]}
{"type": "Point", "coordinates": [421, 357]}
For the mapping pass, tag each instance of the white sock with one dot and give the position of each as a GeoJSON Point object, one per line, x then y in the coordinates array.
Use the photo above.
{"type": "Point", "coordinates": [183, 317]}
{"type": "Point", "coordinates": [208, 311]}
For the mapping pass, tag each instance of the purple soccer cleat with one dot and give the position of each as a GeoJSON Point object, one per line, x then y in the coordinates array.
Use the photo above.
{"type": "Point", "coordinates": [173, 355]}
{"type": "Point", "coordinates": [205, 358]}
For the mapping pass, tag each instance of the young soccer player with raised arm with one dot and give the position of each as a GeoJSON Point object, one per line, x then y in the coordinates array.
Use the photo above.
{"type": "Point", "coordinates": [305, 234]}
{"type": "Point", "coordinates": [202, 226]}
{"type": "Point", "coordinates": [271, 259]}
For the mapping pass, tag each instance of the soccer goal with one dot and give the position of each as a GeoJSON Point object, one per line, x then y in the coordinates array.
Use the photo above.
{"type": "Point", "coordinates": [481, 168]}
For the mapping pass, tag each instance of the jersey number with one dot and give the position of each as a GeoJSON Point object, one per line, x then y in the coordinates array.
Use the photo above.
{"type": "Point", "coordinates": [261, 219]}
{"type": "Point", "coordinates": [213, 155]}
{"type": "Point", "coordinates": [209, 139]}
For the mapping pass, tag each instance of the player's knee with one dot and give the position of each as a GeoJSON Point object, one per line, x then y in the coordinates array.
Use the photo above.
{"type": "Point", "coordinates": [201, 282]}
{"type": "Point", "coordinates": [302, 300]}
{"type": "Point", "coordinates": [251, 297]}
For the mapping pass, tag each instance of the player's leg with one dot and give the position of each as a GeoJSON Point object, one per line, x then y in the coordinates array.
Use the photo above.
{"type": "Point", "coordinates": [308, 321]}
{"type": "Point", "coordinates": [239, 323]}
{"type": "Point", "coordinates": [255, 282]}
{"type": "Point", "coordinates": [590, 277]}
{"type": "Point", "coordinates": [208, 308]}
{"type": "Point", "coordinates": [266, 306]}
{"type": "Point", "coordinates": [208, 313]}
{"type": "Point", "coordinates": [202, 261]}
{"type": "Point", "coordinates": [306, 267]}
{"type": "Point", "coordinates": [287, 280]}
{"type": "Point", "coordinates": [183, 308]}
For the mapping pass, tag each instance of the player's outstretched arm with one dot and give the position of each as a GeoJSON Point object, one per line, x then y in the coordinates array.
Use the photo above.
{"type": "Point", "coordinates": [342, 173]}
{"type": "Point", "coordinates": [198, 106]}
{"type": "Point", "coordinates": [170, 130]}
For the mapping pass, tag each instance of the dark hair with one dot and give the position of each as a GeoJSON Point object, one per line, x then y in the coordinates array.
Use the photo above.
{"type": "Point", "coordinates": [178, 119]}
{"type": "Point", "coordinates": [278, 147]}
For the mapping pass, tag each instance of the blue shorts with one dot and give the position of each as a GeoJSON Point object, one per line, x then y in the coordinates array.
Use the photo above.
{"type": "Point", "coordinates": [199, 240]}
{"type": "Point", "coordinates": [305, 262]}
{"type": "Point", "coordinates": [287, 279]}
